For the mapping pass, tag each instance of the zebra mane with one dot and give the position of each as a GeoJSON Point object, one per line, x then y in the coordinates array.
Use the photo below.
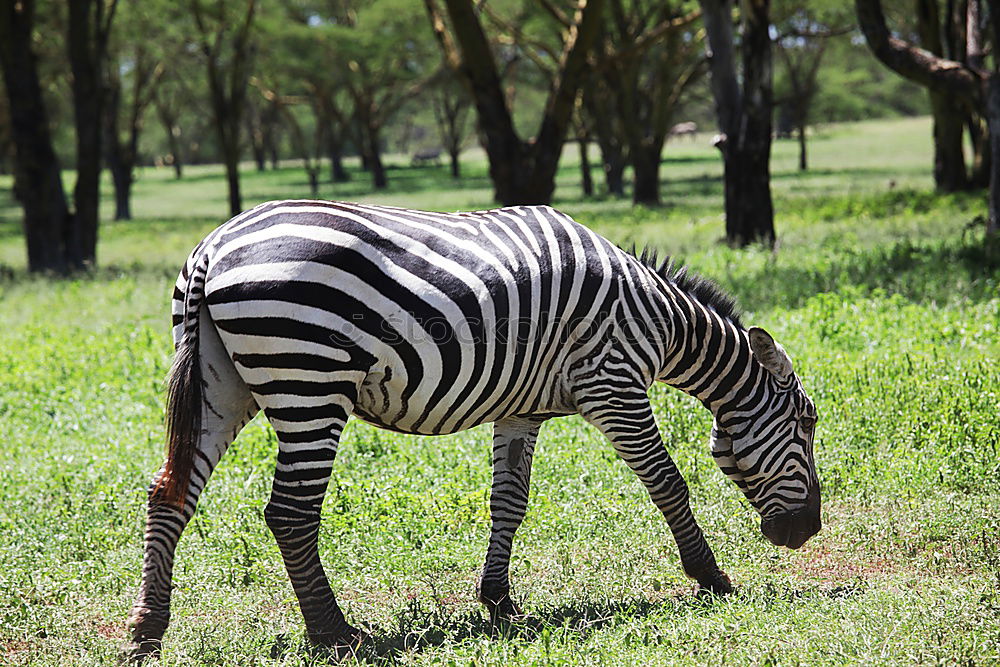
{"type": "Point", "coordinates": [697, 287]}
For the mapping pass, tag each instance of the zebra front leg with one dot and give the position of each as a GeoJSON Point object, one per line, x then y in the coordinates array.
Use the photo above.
{"type": "Point", "coordinates": [513, 447]}
{"type": "Point", "coordinates": [627, 421]}
{"type": "Point", "coordinates": [226, 406]}
{"type": "Point", "coordinates": [307, 447]}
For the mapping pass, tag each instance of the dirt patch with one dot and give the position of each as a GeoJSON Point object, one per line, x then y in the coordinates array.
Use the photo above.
{"type": "Point", "coordinates": [111, 631]}
{"type": "Point", "coordinates": [835, 566]}
{"type": "Point", "coordinates": [16, 652]}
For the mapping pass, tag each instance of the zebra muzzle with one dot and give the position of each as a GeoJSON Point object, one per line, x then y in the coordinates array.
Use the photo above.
{"type": "Point", "coordinates": [792, 529]}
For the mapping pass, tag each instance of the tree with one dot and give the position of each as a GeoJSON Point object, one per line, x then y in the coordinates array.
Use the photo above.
{"type": "Point", "coordinates": [309, 149]}
{"type": "Point", "coordinates": [224, 34]}
{"type": "Point", "coordinates": [262, 121]}
{"type": "Point", "coordinates": [89, 28]}
{"type": "Point", "coordinates": [172, 96]}
{"type": "Point", "coordinates": [945, 39]}
{"type": "Point", "coordinates": [48, 225]}
{"type": "Point", "coordinates": [451, 106]}
{"type": "Point", "coordinates": [368, 52]}
{"type": "Point", "coordinates": [648, 61]}
{"type": "Point", "coordinates": [386, 66]}
{"type": "Point", "coordinates": [134, 70]}
{"type": "Point", "coordinates": [803, 34]}
{"type": "Point", "coordinates": [598, 103]}
{"type": "Point", "coordinates": [523, 172]}
{"type": "Point", "coordinates": [744, 115]}
{"type": "Point", "coordinates": [971, 82]}
{"type": "Point", "coordinates": [584, 128]}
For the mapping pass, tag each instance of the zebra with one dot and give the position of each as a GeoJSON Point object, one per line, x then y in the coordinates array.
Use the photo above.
{"type": "Point", "coordinates": [432, 323]}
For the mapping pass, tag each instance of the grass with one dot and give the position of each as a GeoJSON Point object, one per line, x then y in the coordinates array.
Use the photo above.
{"type": "Point", "coordinates": [888, 304]}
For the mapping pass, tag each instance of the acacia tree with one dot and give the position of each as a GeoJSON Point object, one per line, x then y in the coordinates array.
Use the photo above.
{"type": "Point", "coordinates": [971, 81]}
{"type": "Point", "coordinates": [945, 38]}
{"type": "Point", "coordinates": [803, 34]}
{"type": "Point", "coordinates": [523, 171]}
{"type": "Point", "coordinates": [743, 105]}
{"type": "Point", "coordinates": [451, 106]}
{"type": "Point", "coordinates": [224, 35]}
{"type": "Point", "coordinates": [362, 62]}
{"type": "Point", "coordinates": [134, 70]}
{"type": "Point", "coordinates": [387, 65]}
{"type": "Point", "coordinates": [37, 176]}
{"type": "Point", "coordinates": [606, 124]}
{"type": "Point", "coordinates": [648, 60]}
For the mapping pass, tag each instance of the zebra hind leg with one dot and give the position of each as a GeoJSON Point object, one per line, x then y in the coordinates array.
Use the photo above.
{"type": "Point", "coordinates": [307, 444]}
{"type": "Point", "coordinates": [227, 406]}
{"type": "Point", "coordinates": [513, 448]}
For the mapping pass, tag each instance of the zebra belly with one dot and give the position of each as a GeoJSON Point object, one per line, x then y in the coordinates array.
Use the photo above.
{"type": "Point", "coordinates": [379, 394]}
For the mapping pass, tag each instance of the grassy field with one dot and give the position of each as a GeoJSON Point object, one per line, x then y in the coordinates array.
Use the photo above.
{"type": "Point", "coordinates": [884, 295]}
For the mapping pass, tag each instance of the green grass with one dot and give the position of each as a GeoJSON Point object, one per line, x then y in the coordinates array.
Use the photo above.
{"type": "Point", "coordinates": [888, 304]}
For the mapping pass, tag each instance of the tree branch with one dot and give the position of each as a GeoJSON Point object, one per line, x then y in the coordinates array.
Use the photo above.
{"type": "Point", "coordinates": [914, 63]}
{"type": "Point", "coordinates": [452, 55]}
{"type": "Point", "coordinates": [556, 13]}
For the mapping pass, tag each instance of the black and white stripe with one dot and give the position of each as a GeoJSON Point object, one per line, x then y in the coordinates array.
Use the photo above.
{"type": "Point", "coordinates": [434, 323]}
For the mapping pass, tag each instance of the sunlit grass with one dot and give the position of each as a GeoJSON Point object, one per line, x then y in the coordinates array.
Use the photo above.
{"type": "Point", "coordinates": [887, 302]}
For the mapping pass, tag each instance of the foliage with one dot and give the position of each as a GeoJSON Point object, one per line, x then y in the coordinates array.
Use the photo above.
{"type": "Point", "coordinates": [886, 301]}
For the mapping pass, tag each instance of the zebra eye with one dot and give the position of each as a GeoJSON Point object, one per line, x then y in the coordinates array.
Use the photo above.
{"type": "Point", "coordinates": [808, 422]}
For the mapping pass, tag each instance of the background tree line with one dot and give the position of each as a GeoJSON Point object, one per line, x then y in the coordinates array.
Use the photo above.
{"type": "Point", "coordinates": [117, 84]}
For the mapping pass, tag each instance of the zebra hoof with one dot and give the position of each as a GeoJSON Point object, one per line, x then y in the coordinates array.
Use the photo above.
{"type": "Point", "coordinates": [501, 607]}
{"type": "Point", "coordinates": [717, 584]}
{"type": "Point", "coordinates": [342, 645]}
{"type": "Point", "coordinates": [139, 650]}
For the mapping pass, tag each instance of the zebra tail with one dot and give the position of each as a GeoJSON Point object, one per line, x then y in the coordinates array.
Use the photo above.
{"type": "Point", "coordinates": [184, 399]}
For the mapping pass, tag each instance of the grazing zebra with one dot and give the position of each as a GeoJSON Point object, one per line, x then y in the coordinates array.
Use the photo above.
{"type": "Point", "coordinates": [433, 323]}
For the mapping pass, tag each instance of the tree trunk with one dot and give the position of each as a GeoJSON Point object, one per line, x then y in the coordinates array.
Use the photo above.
{"type": "Point", "coordinates": [255, 131]}
{"type": "Point", "coordinates": [231, 156]}
{"type": "Point", "coordinates": [586, 179]}
{"type": "Point", "coordinates": [313, 173]}
{"type": "Point", "coordinates": [337, 172]}
{"type": "Point", "coordinates": [613, 158]}
{"type": "Point", "coordinates": [949, 160]}
{"type": "Point", "coordinates": [120, 159]}
{"type": "Point", "coordinates": [646, 170]}
{"type": "Point", "coordinates": [979, 134]}
{"type": "Point", "coordinates": [87, 47]}
{"type": "Point", "coordinates": [993, 116]}
{"type": "Point", "coordinates": [335, 149]}
{"type": "Point", "coordinates": [257, 148]}
{"type": "Point", "coordinates": [227, 113]}
{"type": "Point", "coordinates": [122, 177]}
{"type": "Point", "coordinates": [749, 209]}
{"type": "Point", "coordinates": [168, 119]}
{"type": "Point", "coordinates": [456, 169]}
{"type": "Point", "coordinates": [373, 153]}
{"type": "Point", "coordinates": [744, 117]}
{"type": "Point", "coordinates": [38, 181]}
{"type": "Point", "coordinates": [228, 54]}
{"type": "Point", "coordinates": [803, 161]}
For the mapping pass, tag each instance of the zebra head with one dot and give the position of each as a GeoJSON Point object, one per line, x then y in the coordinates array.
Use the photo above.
{"type": "Point", "coordinates": [765, 445]}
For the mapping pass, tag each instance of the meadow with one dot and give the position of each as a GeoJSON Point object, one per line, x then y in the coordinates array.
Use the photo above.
{"type": "Point", "coordinates": [883, 292]}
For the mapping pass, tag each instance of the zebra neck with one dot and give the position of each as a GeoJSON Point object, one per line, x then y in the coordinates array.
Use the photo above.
{"type": "Point", "coordinates": [708, 356]}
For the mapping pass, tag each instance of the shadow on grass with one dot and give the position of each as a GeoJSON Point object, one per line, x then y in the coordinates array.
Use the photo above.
{"type": "Point", "coordinates": [419, 628]}
{"type": "Point", "coordinates": [922, 272]}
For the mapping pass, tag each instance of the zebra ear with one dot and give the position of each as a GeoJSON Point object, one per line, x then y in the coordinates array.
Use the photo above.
{"type": "Point", "coordinates": [769, 353]}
